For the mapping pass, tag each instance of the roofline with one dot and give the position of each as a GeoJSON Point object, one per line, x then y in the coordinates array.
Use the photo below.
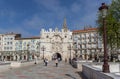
{"type": "Point", "coordinates": [84, 30]}
{"type": "Point", "coordinates": [28, 38]}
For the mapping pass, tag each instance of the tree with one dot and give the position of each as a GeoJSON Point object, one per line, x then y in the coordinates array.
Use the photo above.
{"type": "Point", "coordinates": [113, 25]}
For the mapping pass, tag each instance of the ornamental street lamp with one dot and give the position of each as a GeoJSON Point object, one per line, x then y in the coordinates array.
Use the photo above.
{"type": "Point", "coordinates": [76, 48]}
{"type": "Point", "coordinates": [38, 48]}
{"type": "Point", "coordinates": [70, 48]}
{"type": "Point", "coordinates": [103, 9]}
{"type": "Point", "coordinates": [43, 49]}
{"type": "Point", "coordinates": [28, 53]}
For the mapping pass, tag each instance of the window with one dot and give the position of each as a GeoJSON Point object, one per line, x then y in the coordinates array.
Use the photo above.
{"type": "Point", "coordinates": [95, 40]}
{"type": "Point", "coordinates": [16, 43]}
{"type": "Point", "coordinates": [29, 43]}
{"type": "Point", "coordinates": [89, 35]}
{"type": "Point", "coordinates": [33, 41]}
{"type": "Point", "coordinates": [90, 40]}
{"type": "Point", "coordinates": [24, 43]}
{"type": "Point", "coordinates": [95, 34]}
{"type": "Point", "coordinates": [11, 38]}
{"type": "Point", "coordinates": [4, 48]}
{"type": "Point", "coordinates": [85, 36]}
{"type": "Point", "coordinates": [37, 47]}
{"type": "Point", "coordinates": [71, 37]}
{"type": "Point", "coordinates": [10, 47]}
{"type": "Point", "coordinates": [20, 42]}
{"type": "Point", "coordinates": [32, 46]}
{"type": "Point", "coordinates": [8, 43]}
{"type": "Point", "coordinates": [11, 43]}
{"type": "Point", "coordinates": [7, 48]}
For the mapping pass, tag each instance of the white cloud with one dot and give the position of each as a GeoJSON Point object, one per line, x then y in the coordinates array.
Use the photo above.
{"type": "Point", "coordinates": [54, 7]}
{"type": "Point", "coordinates": [34, 23]}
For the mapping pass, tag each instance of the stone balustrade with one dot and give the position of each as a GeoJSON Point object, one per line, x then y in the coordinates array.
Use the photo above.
{"type": "Point", "coordinates": [94, 73]}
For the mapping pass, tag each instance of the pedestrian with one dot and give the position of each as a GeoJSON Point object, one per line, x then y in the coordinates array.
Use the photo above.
{"type": "Point", "coordinates": [35, 59]}
{"type": "Point", "coordinates": [46, 61]}
{"type": "Point", "coordinates": [56, 62]}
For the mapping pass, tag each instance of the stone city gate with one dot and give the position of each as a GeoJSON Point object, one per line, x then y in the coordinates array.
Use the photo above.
{"type": "Point", "coordinates": [57, 55]}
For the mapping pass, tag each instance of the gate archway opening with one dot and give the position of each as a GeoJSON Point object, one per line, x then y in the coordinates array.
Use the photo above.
{"type": "Point", "coordinates": [57, 56]}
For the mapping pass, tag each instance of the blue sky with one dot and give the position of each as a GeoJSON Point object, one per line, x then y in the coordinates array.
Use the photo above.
{"type": "Point", "coordinates": [29, 16]}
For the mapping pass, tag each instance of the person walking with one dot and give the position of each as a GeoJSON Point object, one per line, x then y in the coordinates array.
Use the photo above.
{"type": "Point", "coordinates": [46, 61]}
{"type": "Point", "coordinates": [35, 59]}
{"type": "Point", "coordinates": [56, 62]}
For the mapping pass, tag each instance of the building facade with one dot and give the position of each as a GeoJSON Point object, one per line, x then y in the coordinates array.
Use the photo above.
{"type": "Point", "coordinates": [53, 43]}
{"type": "Point", "coordinates": [27, 48]}
{"type": "Point", "coordinates": [88, 43]}
{"type": "Point", "coordinates": [7, 47]}
{"type": "Point", "coordinates": [15, 48]}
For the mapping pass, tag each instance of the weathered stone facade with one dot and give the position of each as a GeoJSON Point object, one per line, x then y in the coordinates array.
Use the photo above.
{"type": "Point", "coordinates": [55, 43]}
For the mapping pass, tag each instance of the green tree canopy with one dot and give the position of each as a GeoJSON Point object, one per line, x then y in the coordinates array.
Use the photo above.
{"type": "Point", "coordinates": [112, 24]}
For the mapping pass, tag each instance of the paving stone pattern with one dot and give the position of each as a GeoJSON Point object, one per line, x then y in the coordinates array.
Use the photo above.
{"type": "Point", "coordinates": [39, 71]}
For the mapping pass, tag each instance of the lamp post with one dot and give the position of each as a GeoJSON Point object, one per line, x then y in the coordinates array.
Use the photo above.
{"type": "Point", "coordinates": [103, 9]}
{"type": "Point", "coordinates": [76, 49]}
{"type": "Point", "coordinates": [43, 49]}
{"type": "Point", "coordinates": [28, 52]}
{"type": "Point", "coordinates": [70, 48]}
{"type": "Point", "coordinates": [38, 48]}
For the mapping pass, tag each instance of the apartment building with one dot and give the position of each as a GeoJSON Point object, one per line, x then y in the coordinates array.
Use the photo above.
{"type": "Point", "coordinates": [13, 47]}
{"type": "Point", "coordinates": [88, 43]}
{"type": "Point", "coordinates": [25, 46]}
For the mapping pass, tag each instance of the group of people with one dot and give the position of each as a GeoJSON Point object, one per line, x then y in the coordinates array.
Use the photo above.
{"type": "Point", "coordinates": [46, 62]}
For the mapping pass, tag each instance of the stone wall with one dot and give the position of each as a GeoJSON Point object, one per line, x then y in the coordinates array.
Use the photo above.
{"type": "Point", "coordinates": [78, 64]}
{"type": "Point", "coordinates": [94, 73]}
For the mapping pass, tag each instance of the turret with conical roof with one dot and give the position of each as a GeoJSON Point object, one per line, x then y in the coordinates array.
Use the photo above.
{"type": "Point", "coordinates": [65, 25]}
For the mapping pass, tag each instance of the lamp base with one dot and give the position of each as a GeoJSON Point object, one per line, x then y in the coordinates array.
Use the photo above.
{"type": "Point", "coordinates": [106, 68]}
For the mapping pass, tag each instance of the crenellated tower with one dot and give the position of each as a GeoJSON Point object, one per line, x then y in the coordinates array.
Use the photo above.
{"type": "Point", "coordinates": [65, 25]}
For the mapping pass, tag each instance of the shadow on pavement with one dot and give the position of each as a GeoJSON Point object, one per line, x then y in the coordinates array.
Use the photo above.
{"type": "Point", "coordinates": [81, 75]}
{"type": "Point", "coordinates": [70, 76]}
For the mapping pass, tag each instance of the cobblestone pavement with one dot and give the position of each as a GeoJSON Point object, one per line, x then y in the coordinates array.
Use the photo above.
{"type": "Point", "coordinates": [39, 71]}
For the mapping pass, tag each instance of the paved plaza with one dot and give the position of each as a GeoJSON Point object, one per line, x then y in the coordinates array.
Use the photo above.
{"type": "Point", "coordinates": [39, 71]}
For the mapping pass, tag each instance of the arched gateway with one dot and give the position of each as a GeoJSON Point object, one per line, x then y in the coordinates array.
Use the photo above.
{"type": "Point", "coordinates": [56, 43]}
{"type": "Point", "coordinates": [56, 55]}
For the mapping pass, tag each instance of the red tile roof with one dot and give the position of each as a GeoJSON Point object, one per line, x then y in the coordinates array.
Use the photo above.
{"type": "Point", "coordinates": [85, 30]}
{"type": "Point", "coordinates": [34, 37]}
